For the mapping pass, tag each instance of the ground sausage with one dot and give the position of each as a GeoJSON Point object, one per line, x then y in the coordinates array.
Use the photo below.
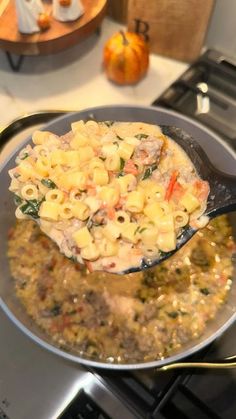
{"type": "Point", "coordinates": [148, 151]}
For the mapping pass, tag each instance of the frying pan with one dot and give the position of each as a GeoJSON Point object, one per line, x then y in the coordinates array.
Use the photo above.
{"type": "Point", "coordinates": [221, 155]}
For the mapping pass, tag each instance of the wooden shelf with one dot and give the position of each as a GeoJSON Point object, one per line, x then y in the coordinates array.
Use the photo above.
{"type": "Point", "coordinates": [61, 35]}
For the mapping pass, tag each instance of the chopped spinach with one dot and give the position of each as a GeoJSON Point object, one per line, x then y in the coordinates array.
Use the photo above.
{"type": "Point", "coordinates": [140, 136]}
{"type": "Point", "coordinates": [72, 258]}
{"type": "Point", "coordinates": [137, 230]}
{"type": "Point", "coordinates": [108, 123]}
{"type": "Point", "coordinates": [205, 291]}
{"type": "Point", "coordinates": [31, 208]}
{"type": "Point", "coordinates": [122, 164]}
{"type": "Point", "coordinates": [91, 223]}
{"type": "Point", "coordinates": [25, 155]}
{"type": "Point", "coordinates": [142, 229]}
{"type": "Point", "coordinates": [119, 138]}
{"type": "Point", "coordinates": [48, 183]}
{"type": "Point", "coordinates": [162, 254]}
{"type": "Point", "coordinates": [17, 199]}
{"type": "Point", "coordinates": [173, 314]}
{"type": "Point", "coordinates": [55, 310]}
{"type": "Point", "coordinates": [148, 171]}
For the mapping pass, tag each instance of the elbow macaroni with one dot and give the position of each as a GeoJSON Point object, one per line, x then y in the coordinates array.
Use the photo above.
{"type": "Point", "coordinates": [109, 191]}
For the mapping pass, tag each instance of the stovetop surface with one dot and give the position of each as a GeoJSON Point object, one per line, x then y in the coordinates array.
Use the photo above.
{"type": "Point", "coordinates": [35, 384]}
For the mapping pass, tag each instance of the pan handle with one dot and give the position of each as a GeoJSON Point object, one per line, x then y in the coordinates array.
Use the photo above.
{"type": "Point", "coordinates": [228, 362]}
{"type": "Point", "coordinates": [26, 121]}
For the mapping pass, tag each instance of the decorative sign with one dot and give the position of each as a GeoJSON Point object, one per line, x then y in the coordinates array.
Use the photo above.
{"type": "Point", "coordinates": [174, 28]}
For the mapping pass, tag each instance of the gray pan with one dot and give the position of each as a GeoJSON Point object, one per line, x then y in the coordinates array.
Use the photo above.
{"type": "Point", "coordinates": [221, 155]}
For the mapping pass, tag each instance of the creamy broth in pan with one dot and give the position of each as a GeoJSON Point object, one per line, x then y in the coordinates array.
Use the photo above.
{"type": "Point", "coordinates": [111, 195]}
{"type": "Point", "coordinates": [133, 318]}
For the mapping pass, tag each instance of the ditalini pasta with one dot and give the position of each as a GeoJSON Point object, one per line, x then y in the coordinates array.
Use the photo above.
{"type": "Point", "coordinates": [110, 194]}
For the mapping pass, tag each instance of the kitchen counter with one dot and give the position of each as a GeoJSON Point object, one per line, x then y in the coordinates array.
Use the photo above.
{"type": "Point", "coordinates": [74, 80]}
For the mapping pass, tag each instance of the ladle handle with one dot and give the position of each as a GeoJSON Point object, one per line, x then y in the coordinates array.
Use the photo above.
{"type": "Point", "coordinates": [226, 363]}
{"type": "Point", "coordinates": [222, 198]}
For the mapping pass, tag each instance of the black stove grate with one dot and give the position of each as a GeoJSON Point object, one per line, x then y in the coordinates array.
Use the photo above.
{"type": "Point", "coordinates": [214, 79]}
{"type": "Point", "coordinates": [180, 394]}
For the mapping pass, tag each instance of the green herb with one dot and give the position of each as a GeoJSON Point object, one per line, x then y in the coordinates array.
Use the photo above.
{"type": "Point", "coordinates": [119, 138]}
{"type": "Point", "coordinates": [25, 156]}
{"type": "Point", "coordinates": [72, 258]}
{"type": "Point", "coordinates": [31, 208]}
{"type": "Point", "coordinates": [205, 291]}
{"type": "Point", "coordinates": [17, 200]}
{"type": "Point", "coordinates": [48, 183]}
{"type": "Point", "coordinates": [120, 174]}
{"type": "Point", "coordinates": [116, 143]}
{"type": "Point", "coordinates": [56, 310]}
{"type": "Point", "coordinates": [71, 313]}
{"type": "Point", "coordinates": [91, 223]}
{"type": "Point", "coordinates": [162, 254]}
{"type": "Point", "coordinates": [102, 158]}
{"type": "Point", "coordinates": [183, 313]}
{"type": "Point", "coordinates": [122, 164]}
{"type": "Point", "coordinates": [140, 136]}
{"type": "Point", "coordinates": [142, 229]}
{"type": "Point", "coordinates": [173, 314]}
{"type": "Point", "coordinates": [108, 123]}
{"type": "Point", "coordinates": [148, 171]}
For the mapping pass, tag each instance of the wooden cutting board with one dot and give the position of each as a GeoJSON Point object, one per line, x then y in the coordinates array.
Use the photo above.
{"type": "Point", "coordinates": [174, 28]}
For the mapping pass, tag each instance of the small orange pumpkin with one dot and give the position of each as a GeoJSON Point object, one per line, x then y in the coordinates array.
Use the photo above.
{"type": "Point", "coordinates": [44, 21]}
{"type": "Point", "coordinates": [65, 3]}
{"type": "Point", "coordinates": [126, 58]}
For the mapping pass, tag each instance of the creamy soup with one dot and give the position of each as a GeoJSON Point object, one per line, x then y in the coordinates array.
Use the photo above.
{"type": "Point", "coordinates": [112, 195]}
{"type": "Point", "coordinates": [138, 317]}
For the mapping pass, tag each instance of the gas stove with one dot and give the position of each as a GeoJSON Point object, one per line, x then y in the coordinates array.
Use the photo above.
{"type": "Point", "coordinates": [35, 384]}
{"type": "Point", "coordinates": [207, 92]}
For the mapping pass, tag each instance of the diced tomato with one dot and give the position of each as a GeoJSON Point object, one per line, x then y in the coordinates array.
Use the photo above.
{"type": "Point", "coordinates": [10, 233]}
{"type": "Point", "coordinates": [79, 309]}
{"type": "Point", "coordinates": [171, 185]}
{"type": "Point", "coordinates": [110, 265]}
{"type": "Point", "coordinates": [88, 265]}
{"type": "Point", "coordinates": [45, 243]}
{"type": "Point", "coordinates": [223, 279]}
{"type": "Point", "coordinates": [91, 189]}
{"type": "Point", "coordinates": [178, 191]}
{"type": "Point", "coordinates": [202, 189]}
{"type": "Point", "coordinates": [111, 213]}
{"type": "Point", "coordinates": [120, 203]}
{"type": "Point", "coordinates": [130, 168]}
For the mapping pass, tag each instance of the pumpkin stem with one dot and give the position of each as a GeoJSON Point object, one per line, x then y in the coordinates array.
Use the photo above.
{"type": "Point", "coordinates": [124, 39]}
